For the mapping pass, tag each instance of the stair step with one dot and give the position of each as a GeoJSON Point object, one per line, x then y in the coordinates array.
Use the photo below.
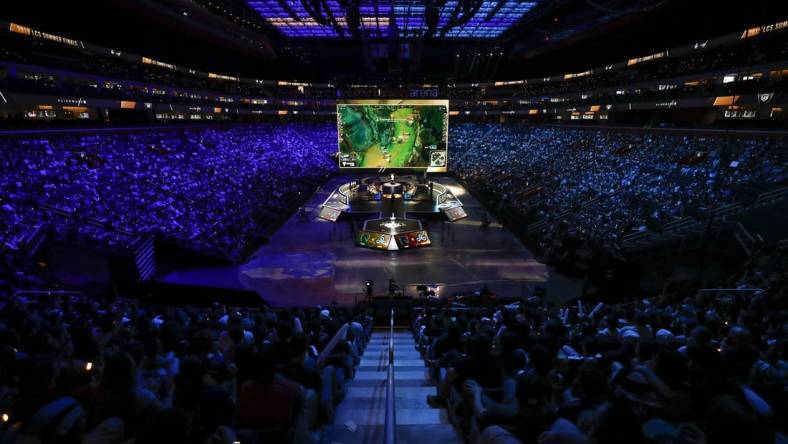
{"type": "Point", "coordinates": [402, 354]}
{"type": "Point", "coordinates": [363, 375]}
{"type": "Point", "coordinates": [400, 392]}
{"type": "Point", "coordinates": [379, 348]}
{"type": "Point", "coordinates": [406, 434]}
{"type": "Point", "coordinates": [400, 383]}
{"type": "Point", "coordinates": [364, 406]}
{"type": "Point", "coordinates": [359, 403]}
{"type": "Point", "coordinates": [404, 416]}
{"type": "Point", "coordinates": [436, 433]}
{"type": "Point", "coordinates": [397, 367]}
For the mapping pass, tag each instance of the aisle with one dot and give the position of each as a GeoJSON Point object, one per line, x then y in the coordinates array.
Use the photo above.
{"type": "Point", "coordinates": [360, 417]}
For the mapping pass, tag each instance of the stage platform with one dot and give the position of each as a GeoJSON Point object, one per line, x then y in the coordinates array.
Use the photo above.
{"type": "Point", "coordinates": [311, 261]}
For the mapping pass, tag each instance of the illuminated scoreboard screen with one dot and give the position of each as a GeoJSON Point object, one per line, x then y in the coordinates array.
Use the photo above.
{"type": "Point", "coordinates": [410, 134]}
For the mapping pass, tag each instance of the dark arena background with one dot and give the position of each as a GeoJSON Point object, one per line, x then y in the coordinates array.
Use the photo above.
{"type": "Point", "coordinates": [394, 221]}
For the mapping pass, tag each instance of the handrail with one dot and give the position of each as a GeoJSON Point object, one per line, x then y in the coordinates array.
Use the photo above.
{"type": "Point", "coordinates": [390, 435]}
{"type": "Point", "coordinates": [731, 290]}
{"type": "Point", "coordinates": [338, 337]}
{"type": "Point", "coordinates": [47, 293]}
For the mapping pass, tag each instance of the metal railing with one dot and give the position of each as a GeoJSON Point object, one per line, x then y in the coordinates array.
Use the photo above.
{"type": "Point", "coordinates": [47, 293]}
{"type": "Point", "coordinates": [391, 419]}
{"type": "Point", "coordinates": [730, 290]}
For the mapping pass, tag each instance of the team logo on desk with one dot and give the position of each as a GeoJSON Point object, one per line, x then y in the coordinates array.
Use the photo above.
{"type": "Point", "coordinates": [438, 159]}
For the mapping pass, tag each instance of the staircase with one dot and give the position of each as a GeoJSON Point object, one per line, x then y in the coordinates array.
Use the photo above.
{"type": "Point", "coordinates": [145, 257]}
{"type": "Point", "coordinates": [360, 418]}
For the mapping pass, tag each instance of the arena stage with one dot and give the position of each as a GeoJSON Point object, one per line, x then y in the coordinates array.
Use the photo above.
{"type": "Point", "coordinates": [313, 261]}
{"type": "Point", "coordinates": [392, 209]}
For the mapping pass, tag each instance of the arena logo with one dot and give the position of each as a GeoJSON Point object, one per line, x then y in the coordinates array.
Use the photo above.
{"type": "Point", "coordinates": [69, 101]}
{"type": "Point", "coordinates": [670, 104]}
{"type": "Point", "coordinates": [423, 92]}
{"type": "Point", "coordinates": [765, 97]}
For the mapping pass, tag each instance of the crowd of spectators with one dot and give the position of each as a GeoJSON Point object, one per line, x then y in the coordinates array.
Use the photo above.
{"type": "Point", "coordinates": [692, 367]}
{"type": "Point", "coordinates": [95, 370]}
{"type": "Point", "coordinates": [685, 367]}
{"type": "Point", "coordinates": [598, 185]}
{"type": "Point", "coordinates": [214, 190]}
{"type": "Point", "coordinates": [704, 60]}
{"type": "Point", "coordinates": [705, 86]}
{"type": "Point", "coordinates": [743, 54]}
{"type": "Point", "coordinates": [54, 56]}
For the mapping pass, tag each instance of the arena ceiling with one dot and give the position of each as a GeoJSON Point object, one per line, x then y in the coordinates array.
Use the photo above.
{"type": "Point", "coordinates": [453, 19]}
{"type": "Point", "coordinates": [427, 41]}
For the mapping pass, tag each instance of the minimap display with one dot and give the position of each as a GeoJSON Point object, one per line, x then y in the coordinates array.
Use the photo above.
{"type": "Point", "coordinates": [378, 134]}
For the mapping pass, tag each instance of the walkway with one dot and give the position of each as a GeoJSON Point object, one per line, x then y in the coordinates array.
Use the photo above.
{"type": "Point", "coordinates": [360, 418]}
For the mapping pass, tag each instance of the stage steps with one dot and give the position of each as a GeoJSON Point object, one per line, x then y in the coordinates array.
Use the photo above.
{"type": "Point", "coordinates": [364, 407]}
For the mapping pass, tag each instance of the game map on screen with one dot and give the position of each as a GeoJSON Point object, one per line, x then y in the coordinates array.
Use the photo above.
{"type": "Point", "coordinates": [379, 134]}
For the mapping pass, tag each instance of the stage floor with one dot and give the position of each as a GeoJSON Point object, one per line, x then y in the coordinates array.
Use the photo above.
{"type": "Point", "coordinates": [313, 261]}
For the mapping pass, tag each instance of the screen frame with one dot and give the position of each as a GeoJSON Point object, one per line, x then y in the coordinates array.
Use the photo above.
{"type": "Point", "coordinates": [395, 102]}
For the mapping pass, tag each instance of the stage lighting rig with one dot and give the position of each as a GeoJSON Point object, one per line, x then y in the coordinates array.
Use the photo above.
{"type": "Point", "coordinates": [377, 19]}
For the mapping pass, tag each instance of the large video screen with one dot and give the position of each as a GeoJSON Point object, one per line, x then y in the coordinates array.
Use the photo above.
{"type": "Point", "coordinates": [378, 134]}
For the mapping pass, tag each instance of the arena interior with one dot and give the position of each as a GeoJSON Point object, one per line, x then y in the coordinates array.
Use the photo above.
{"type": "Point", "coordinates": [394, 222]}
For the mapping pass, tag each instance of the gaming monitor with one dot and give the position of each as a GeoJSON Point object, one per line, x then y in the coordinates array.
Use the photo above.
{"type": "Point", "coordinates": [400, 134]}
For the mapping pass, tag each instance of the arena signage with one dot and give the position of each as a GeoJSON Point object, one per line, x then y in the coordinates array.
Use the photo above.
{"type": "Point", "coordinates": [647, 58]}
{"type": "Point", "coordinates": [752, 32]}
{"type": "Point", "coordinates": [421, 93]}
{"type": "Point", "coordinates": [150, 61]}
{"type": "Point", "coordinates": [24, 30]}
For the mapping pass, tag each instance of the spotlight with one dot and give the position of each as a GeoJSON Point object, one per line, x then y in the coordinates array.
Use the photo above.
{"type": "Point", "coordinates": [369, 288]}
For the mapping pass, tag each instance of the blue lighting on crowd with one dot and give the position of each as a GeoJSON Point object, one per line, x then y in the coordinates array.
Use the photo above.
{"type": "Point", "coordinates": [409, 16]}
